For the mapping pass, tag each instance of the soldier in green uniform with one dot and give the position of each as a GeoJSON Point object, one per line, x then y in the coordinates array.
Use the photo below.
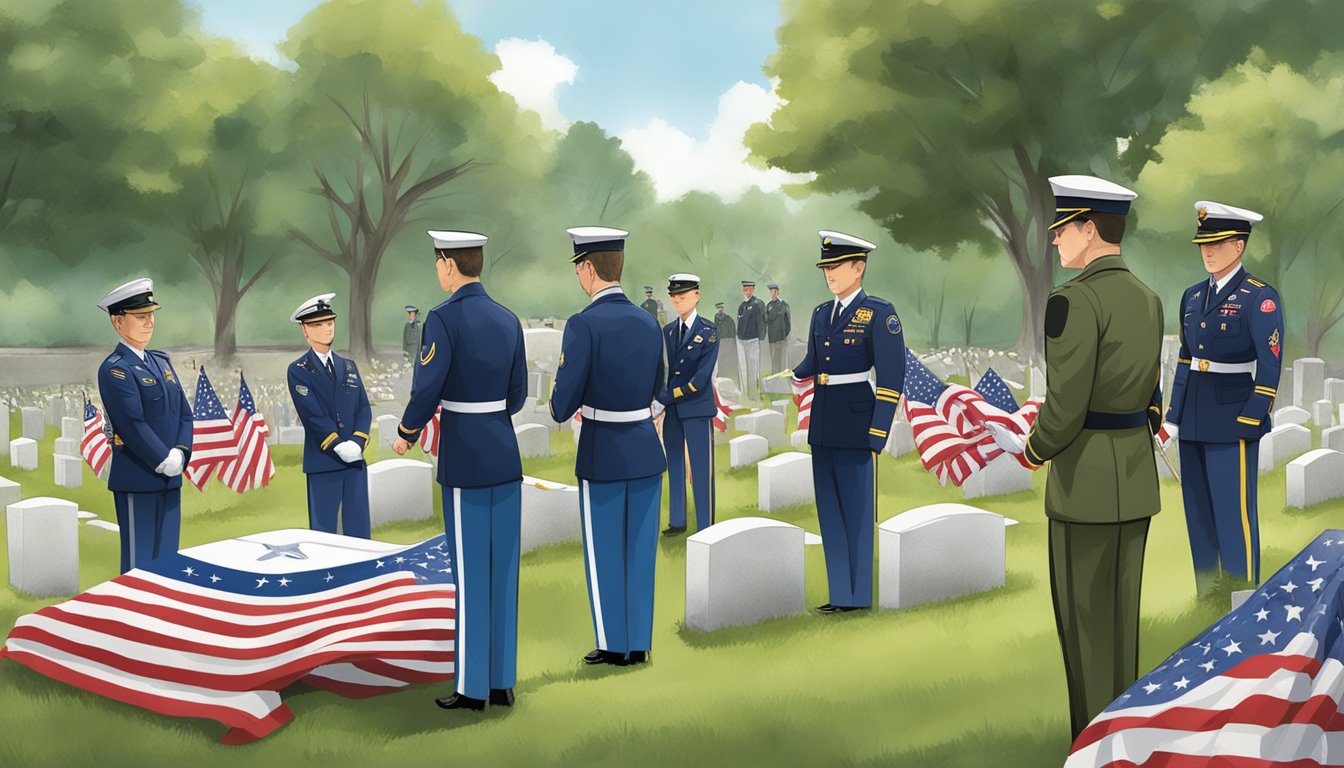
{"type": "Point", "coordinates": [1103, 340]}
{"type": "Point", "coordinates": [653, 306]}
{"type": "Point", "coordinates": [727, 342]}
{"type": "Point", "coordinates": [778, 326]}
{"type": "Point", "coordinates": [410, 335]}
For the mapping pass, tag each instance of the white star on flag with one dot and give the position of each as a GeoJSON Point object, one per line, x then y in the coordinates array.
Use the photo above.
{"type": "Point", "coordinates": [1268, 638]}
{"type": "Point", "coordinates": [1183, 683]}
{"type": "Point", "coordinates": [284, 582]}
{"type": "Point", "coordinates": [1151, 687]}
{"type": "Point", "coordinates": [262, 581]}
{"type": "Point", "coordinates": [1313, 562]}
{"type": "Point", "coordinates": [1261, 615]}
{"type": "Point", "coordinates": [189, 571]}
{"type": "Point", "coordinates": [1232, 647]}
{"type": "Point", "coordinates": [1294, 612]}
{"type": "Point", "coordinates": [1315, 584]}
{"type": "Point", "coordinates": [1207, 667]}
{"type": "Point", "coordinates": [1289, 587]}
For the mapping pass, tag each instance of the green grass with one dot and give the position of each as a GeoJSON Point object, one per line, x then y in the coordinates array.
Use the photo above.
{"type": "Point", "coordinates": [976, 681]}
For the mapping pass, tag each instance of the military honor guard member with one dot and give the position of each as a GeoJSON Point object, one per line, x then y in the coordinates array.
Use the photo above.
{"type": "Point", "coordinates": [611, 369]}
{"type": "Point", "coordinates": [150, 420]}
{"type": "Point", "coordinates": [333, 408]}
{"type": "Point", "coordinates": [850, 336]}
{"type": "Point", "coordinates": [473, 366]}
{"type": "Point", "coordinates": [727, 342]}
{"type": "Point", "coordinates": [778, 326]}
{"type": "Point", "coordinates": [1103, 342]}
{"type": "Point", "coordinates": [410, 335]}
{"type": "Point", "coordinates": [687, 398]}
{"type": "Point", "coordinates": [1227, 375]}
{"type": "Point", "coordinates": [653, 306]}
{"type": "Point", "coordinates": [750, 331]}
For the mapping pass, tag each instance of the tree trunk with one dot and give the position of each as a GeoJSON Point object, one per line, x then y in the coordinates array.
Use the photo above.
{"type": "Point", "coordinates": [360, 321]}
{"type": "Point", "coordinates": [1036, 281]}
{"type": "Point", "coordinates": [226, 312]}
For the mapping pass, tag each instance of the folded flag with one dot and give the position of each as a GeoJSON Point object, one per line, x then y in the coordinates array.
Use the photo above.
{"type": "Point", "coordinates": [219, 630]}
{"type": "Point", "coordinates": [1261, 687]}
{"type": "Point", "coordinates": [94, 446]}
{"type": "Point", "coordinates": [803, 389]}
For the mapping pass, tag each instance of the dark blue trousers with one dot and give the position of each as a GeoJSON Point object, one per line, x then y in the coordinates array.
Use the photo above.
{"type": "Point", "coordinates": [150, 525]}
{"type": "Point", "coordinates": [620, 545]}
{"type": "Point", "coordinates": [1218, 481]}
{"type": "Point", "coordinates": [845, 481]}
{"type": "Point", "coordinates": [695, 436]}
{"type": "Point", "coordinates": [338, 502]}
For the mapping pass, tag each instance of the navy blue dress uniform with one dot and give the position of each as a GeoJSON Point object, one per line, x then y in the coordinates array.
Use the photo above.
{"type": "Point", "coordinates": [151, 427]}
{"type": "Point", "coordinates": [611, 369]}
{"type": "Point", "coordinates": [473, 366]}
{"type": "Point", "coordinates": [333, 407]}
{"type": "Point", "coordinates": [1227, 376]}
{"type": "Point", "coordinates": [850, 420]}
{"type": "Point", "coordinates": [750, 331]}
{"type": "Point", "coordinates": [688, 401]}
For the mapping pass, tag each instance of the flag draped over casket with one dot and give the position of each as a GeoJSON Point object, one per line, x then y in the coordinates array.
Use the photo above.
{"type": "Point", "coordinates": [217, 631]}
{"type": "Point", "coordinates": [1261, 687]}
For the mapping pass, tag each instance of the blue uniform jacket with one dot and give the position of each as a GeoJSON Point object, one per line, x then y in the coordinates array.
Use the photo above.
{"type": "Point", "coordinates": [866, 335]}
{"type": "Point", "coordinates": [472, 352]}
{"type": "Point", "coordinates": [690, 379]}
{"type": "Point", "coordinates": [332, 409]}
{"type": "Point", "coordinates": [610, 358]}
{"type": "Point", "coordinates": [149, 415]}
{"type": "Point", "coordinates": [1243, 322]}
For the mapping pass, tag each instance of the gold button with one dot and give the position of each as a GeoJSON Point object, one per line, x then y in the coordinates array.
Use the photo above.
{"type": "Point", "coordinates": [1202, 325]}
{"type": "Point", "coordinates": [827, 344]}
{"type": "Point", "coordinates": [828, 357]}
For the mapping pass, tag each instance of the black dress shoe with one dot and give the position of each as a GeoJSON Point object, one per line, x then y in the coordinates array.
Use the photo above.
{"type": "Point", "coordinates": [458, 701]}
{"type": "Point", "coordinates": [599, 656]}
{"type": "Point", "coordinates": [848, 608]}
{"type": "Point", "coordinates": [827, 608]}
{"type": "Point", "coordinates": [638, 657]}
{"type": "Point", "coordinates": [502, 697]}
{"type": "Point", "coordinates": [674, 530]}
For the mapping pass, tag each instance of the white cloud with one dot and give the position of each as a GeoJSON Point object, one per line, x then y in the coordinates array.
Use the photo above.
{"type": "Point", "coordinates": [679, 164]}
{"type": "Point", "coordinates": [531, 71]}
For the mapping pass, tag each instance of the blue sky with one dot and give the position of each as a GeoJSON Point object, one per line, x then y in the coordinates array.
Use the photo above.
{"type": "Point", "coordinates": [637, 61]}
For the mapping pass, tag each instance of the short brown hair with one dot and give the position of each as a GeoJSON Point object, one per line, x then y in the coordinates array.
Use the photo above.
{"type": "Point", "coordinates": [469, 260]}
{"type": "Point", "coordinates": [607, 264]}
{"type": "Point", "coordinates": [1110, 226]}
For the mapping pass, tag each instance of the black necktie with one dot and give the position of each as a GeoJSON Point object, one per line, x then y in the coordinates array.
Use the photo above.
{"type": "Point", "coordinates": [835, 313]}
{"type": "Point", "coordinates": [330, 371]}
{"type": "Point", "coordinates": [684, 330]}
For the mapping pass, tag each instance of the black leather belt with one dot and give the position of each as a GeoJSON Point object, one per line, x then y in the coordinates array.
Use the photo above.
{"type": "Point", "coordinates": [1096, 420]}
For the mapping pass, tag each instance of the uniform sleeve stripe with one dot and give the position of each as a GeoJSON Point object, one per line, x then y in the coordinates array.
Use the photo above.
{"type": "Point", "coordinates": [1252, 422]}
{"type": "Point", "coordinates": [330, 439]}
{"type": "Point", "coordinates": [876, 432]}
{"type": "Point", "coordinates": [887, 391]}
{"type": "Point", "coordinates": [1267, 391]}
{"type": "Point", "coordinates": [1034, 458]}
{"type": "Point", "coordinates": [691, 385]}
{"type": "Point", "coordinates": [1183, 361]}
{"type": "Point", "coordinates": [362, 434]}
{"type": "Point", "coordinates": [886, 399]}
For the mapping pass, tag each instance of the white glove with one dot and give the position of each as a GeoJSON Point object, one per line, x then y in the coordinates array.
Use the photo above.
{"type": "Point", "coordinates": [1006, 439]}
{"type": "Point", "coordinates": [348, 451]}
{"type": "Point", "coordinates": [658, 408]}
{"type": "Point", "coordinates": [1172, 431]}
{"type": "Point", "coordinates": [171, 466]}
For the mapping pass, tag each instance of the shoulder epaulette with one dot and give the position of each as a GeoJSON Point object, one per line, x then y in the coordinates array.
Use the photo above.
{"type": "Point", "coordinates": [878, 301]}
{"type": "Point", "coordinates": [1255, 282]}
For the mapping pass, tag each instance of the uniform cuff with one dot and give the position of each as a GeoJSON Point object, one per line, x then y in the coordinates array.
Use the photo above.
{"type": "Point", "coordinates": [328, 440]}
{"type": "Point", "coordinates": [363, 437]}
{"type": "Point", "coordinates": [409, 435]}
{"type": "Point", "coordinates": [1033, 458]}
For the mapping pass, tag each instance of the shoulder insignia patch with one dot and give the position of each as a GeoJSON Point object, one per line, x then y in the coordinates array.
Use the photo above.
{"type": "Point", "coordinates": [1255, 282]}
{"type": "Point", "coordinates": [863, 315]}
{"type": "Point", "coordinates": [1268, 306]}
{"type": "Point", "coordinates": [713, 337]}
{"type": "Point", "coordinates": [561, 364]}
{"type": "Point", "coordinates": [1274, 342]}
{"type": "Point", "coordinates": [893, 325]}
{"type": "Point", "coordinates": [429, 354]}
{"type": "Point", "coordinates": [302, 390]}
{"type": "Point", "coordinates": [168, 374]}
{"type": "Point", "coordinates": [699, 338]}
{"type": "Point", "coordinates": [1056, 315]}
{"type": "Point", "coordinates": [118, 373]}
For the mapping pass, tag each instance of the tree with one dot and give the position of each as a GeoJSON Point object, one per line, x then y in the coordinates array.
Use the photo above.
{"type": "Point", "coordinates": [1285, 163]}
{"type": "Point", "coordinates": [952, 114]}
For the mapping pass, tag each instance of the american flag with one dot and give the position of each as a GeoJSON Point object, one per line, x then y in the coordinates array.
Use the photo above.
{"type": "Point", "coordinates": [253, 466]}
{"type": "Point", "coordinates": [802, 398]}
{"type": "Point", "coordinates": [429, 438]}
{"type": "Point", "coordinates": [212, 439]}
{"type": "Point", "coordinates": [94, 446]}
{"type": "Point", "coordinates": [218, 631]}
{"type": "Point", "coordinates": [1261, 687]}
{"type": "Point", "coordinates": [992, 387]}
{"type": "Point", "coordinates": [948, 422]}
{"type": "Point", "coordinates": [724, 410]}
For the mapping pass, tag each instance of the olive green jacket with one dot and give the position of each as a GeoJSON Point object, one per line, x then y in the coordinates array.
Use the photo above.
{"type": "Point", "coordinates": [1103, 342]}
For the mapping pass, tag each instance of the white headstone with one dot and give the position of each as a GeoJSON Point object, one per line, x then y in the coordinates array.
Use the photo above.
{"type": "Point", "coordinates": [4, 420]}
{"type": "Point", "coordinates": [23, 453]}
{"type": "Point", "coordinates": [104, 525]}
{"type": "Point", "coordinates": [533, 440]}
{"type": "Point", "coordinates": [387, 429]}
{"type": "Point", "coordinates": [1334, 390]}
{"type": "Point", "coordinates": [66, 446]}
{"type": "Point", "coordinates": [745, 450]}
{"type": "Point", "coordinates": [33, 425]}
{"type": "Point", "coordinates": [1004, 474]}
{"type": "Point", "coordinates": [1174, 454]}
{"type": "Point", "coordinates": [901, 439]}
{"type": "Point", "coordinates": [938, 552]}
{"type": "Point", "coordinates": [1037, 381]}
{"type": "Point", "coordinates": [784, 481]}
{"type": "Point", "coordinates": [727, 388]}
{"type": "Point", "coordinates": [782, 406]}
{"type": "Point", "coordinates": [83, 515]}
{"type": "Point", "coordinates": [798, 439]}
{"type": "Point", "coordinates": [542, 348]}
{"type": "Point", "coordinates": [72, 428]}
{"type": "Point", "coordinates": [10, 492]}
{"type": "Point", "coordinates": [69, 471]}
{"type": "Point", "coordinates": [524, 415]}
{"type": "Point", "coordinates": [768, 424]}
{"type": "Point", "coordinates": [1323, 413]}
{"type": "Point", "coordinates": [1333, 438]}
{"type": "Point", "coordinates": [289, 435]}
{"type": "Point", "coordinates": [1240, 596]}
{"type": "Point", "coordinates": [400, 489]}
{"type": "Point", "coordinates": [1291, 414]}
{"type": "Point", "coordinates": [539, 385]}
{"type": "Point", "coordinates": [1314, 477]}
{"type": "Point", "coordinates": [55, 410]}
{"type": "Point", "coordinates": [43, 538]}
{"type": "Point", "coordinates": [743, 571]}
{"type": "Point", "coordinates": [1283, 444]}
{"type": "Point", "coordinates": [1308, 381]}
{"type": "Point", "coordinates": [550, 514]}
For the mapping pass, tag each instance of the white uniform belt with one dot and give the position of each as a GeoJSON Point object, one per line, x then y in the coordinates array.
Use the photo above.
{"type": "Point", "coordinates": [832, 379]}
{"type": "Point", "coordinates": [488, 406]}
{"type": "Point", "coordinates": [1208, 366]}
{"type": "Point", "coordinates": [597, 414]}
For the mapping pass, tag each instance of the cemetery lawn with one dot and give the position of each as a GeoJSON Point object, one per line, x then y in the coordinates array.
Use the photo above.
{"type": "Point", "coordinates": [976, 681]}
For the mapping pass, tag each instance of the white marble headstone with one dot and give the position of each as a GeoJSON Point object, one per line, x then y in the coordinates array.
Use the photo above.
{"type": "Point", "coordinates": [400, 489]}
{"type": "Point", "coordinates": [743, 571]}
{"type": "Point", "coordinates": [43, 538]}
{"type": "Point", "coordinates": [937, 552]}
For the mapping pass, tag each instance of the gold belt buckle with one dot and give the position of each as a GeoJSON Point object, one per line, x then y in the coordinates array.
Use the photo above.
{"type": "Point", "coordinates": [823, 378]}
{"type": "Point", "coordinates": [1204, 365]}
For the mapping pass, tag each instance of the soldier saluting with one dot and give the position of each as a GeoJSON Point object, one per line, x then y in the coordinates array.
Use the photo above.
{"type": "Point", "coordinates": [1103, 341]}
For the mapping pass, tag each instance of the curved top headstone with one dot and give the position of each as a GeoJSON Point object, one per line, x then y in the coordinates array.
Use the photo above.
{"type": "Point", "coordinates": [737, 526]}
{"type": "Point", "coordinates": [929, 514]}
